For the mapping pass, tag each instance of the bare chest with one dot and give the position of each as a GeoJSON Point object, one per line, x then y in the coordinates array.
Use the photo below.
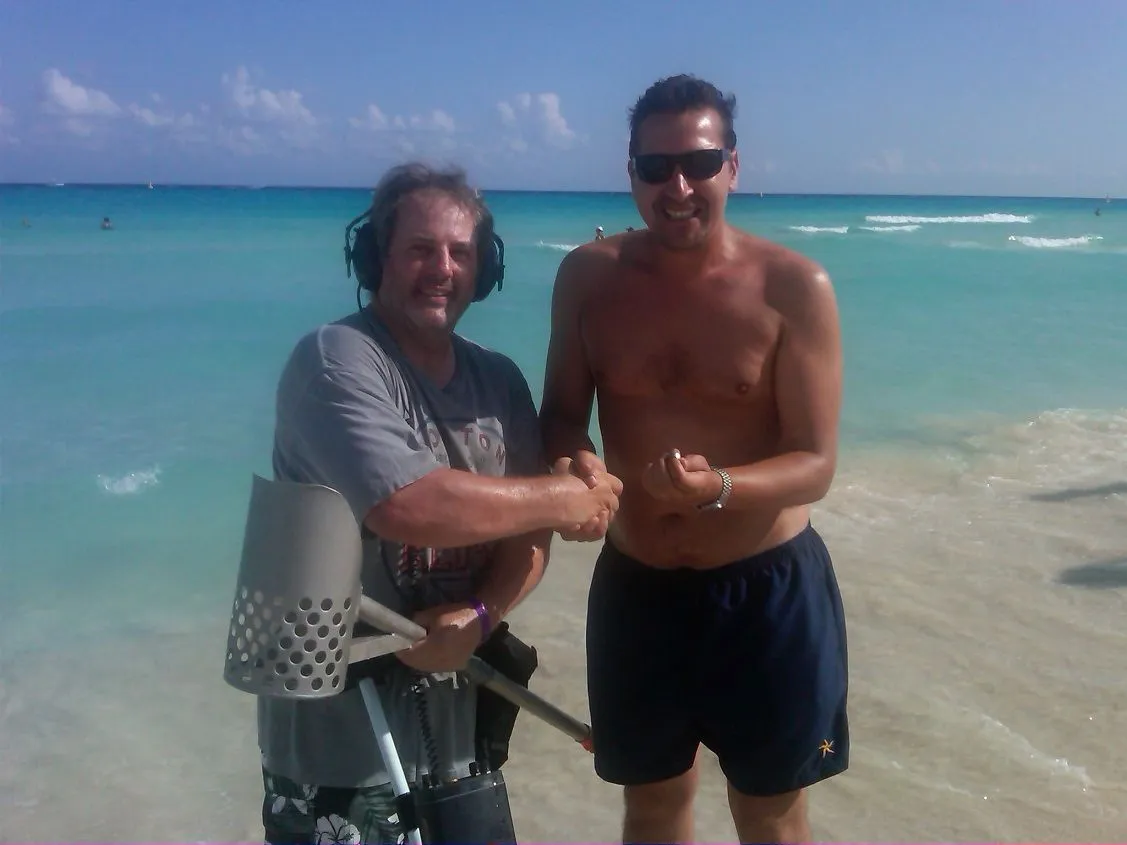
{"type": "Point", "coordinates": [714, 348]}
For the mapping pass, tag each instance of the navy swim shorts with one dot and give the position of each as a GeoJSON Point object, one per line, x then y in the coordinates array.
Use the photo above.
{"type": "Point", "coordinates": [748, 658]}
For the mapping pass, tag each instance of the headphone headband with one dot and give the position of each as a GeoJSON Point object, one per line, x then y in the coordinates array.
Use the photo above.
{"type": "Point", "coordinates": [362, 255]}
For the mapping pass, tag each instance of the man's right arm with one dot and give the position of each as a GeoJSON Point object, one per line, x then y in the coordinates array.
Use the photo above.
{"type": "Point", "coordinates": [343, 430]}
{"type": "Point", "coordinates": [448, 508]}
{"type": "Point", "coordinates": [569, 385]}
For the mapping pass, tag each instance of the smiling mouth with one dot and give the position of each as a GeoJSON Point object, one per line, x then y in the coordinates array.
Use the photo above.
{"type": "Point", "coordinates": [679, 214]}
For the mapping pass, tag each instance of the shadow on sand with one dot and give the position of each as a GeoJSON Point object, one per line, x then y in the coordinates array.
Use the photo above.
{"type": "Point", "coordinates": [1070, 493]}
{"type": "Point", "coordinates": [1101, 575]}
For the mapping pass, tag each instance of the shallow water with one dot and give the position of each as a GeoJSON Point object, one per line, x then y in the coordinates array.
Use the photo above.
{"type": "Point", "coordinates": [977, 521]}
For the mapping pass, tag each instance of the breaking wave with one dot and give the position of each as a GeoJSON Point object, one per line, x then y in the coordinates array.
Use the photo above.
{"type": "Point", "coordinates": [1055, 243]}
{"type": "Point", "coordinates": [130, 483]}
{"type": "Point", "coordinates": [974, 218]}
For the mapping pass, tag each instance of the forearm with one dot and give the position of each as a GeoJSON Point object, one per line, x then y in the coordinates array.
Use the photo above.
{"type": "Point", "coordinates": [516, 569]}
{"type": "Point", "coordinates": [449, 508]}
{"type": "Point", "coordinates": [564, 438]}
{"type": "Point", "coordinates": [784, 481]}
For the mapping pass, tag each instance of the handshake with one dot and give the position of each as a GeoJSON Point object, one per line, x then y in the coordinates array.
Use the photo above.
{"type": "Point", "coordinates": [678, 480]}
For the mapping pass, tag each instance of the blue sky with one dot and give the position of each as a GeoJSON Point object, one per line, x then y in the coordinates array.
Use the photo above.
{"type": "Point", "coordinates": [950, 96]}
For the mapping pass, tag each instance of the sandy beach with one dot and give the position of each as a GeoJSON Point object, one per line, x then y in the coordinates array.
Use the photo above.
{"type": "Point", "coordinates": [987, 689]}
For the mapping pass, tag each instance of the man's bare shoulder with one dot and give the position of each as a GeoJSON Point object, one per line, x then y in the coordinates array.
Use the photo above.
{"type": "Point", "coordinates": [792, 282]}
{"type": "Point", "coordinates": [590, 264]}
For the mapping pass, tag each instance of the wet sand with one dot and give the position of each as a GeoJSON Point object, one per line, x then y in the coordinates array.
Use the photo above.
{"type": "Point", "coordinates": [985, 606]}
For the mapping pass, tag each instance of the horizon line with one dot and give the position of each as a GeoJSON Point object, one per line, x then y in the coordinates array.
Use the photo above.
{"type": "Point", "coordinates": [747, 193]}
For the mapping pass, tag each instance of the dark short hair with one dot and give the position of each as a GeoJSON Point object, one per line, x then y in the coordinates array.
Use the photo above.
{"type": "Point", "coordinates": [679, 94]}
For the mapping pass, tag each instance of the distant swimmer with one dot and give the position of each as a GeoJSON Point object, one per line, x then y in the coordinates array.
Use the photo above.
{"type": "Point", "coordinates": [1097, 212]}
{"type": "Point", "coordinates": [599, 233]}
{"type": "Point", "coordinates": [106, 224]}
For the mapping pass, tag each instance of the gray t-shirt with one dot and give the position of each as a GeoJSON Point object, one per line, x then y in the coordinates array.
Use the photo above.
{"type": "Point", "coordinates": [354, 415]}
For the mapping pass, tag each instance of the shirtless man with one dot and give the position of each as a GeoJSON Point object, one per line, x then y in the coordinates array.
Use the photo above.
{"type": "Point", "coordinates": [714, 615]}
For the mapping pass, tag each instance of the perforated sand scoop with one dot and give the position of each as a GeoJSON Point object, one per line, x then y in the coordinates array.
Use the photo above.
{"type": "Point", "coordinates": [298, 595]}
{"type": "Point", "coordinates": [297, 601]}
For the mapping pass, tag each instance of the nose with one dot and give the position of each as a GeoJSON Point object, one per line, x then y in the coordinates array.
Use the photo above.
{"type": "Point", "coordinates": [678, 186]}
{"type": "Point", "coordinates": [442, 263]}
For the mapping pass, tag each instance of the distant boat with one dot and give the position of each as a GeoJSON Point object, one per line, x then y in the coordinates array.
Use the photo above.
{"type": "Point", "coordinates": [150, 184]}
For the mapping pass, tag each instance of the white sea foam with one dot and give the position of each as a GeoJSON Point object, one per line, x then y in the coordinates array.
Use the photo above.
{"type": "Point", "coordinates": [1055, 243]}
{"type": "Point", "coordinates": [131, 482]}
{"type": "Point", "coordinates": [839, 230]}
{"type": "Point", "coordinates": [560, 247]}
{"type": "Point", "coordinates": [910, 227]}
{"type": "Point", "coordinates": [993, 217]}
{"type": "Point", "coordinates": [1021, 749]}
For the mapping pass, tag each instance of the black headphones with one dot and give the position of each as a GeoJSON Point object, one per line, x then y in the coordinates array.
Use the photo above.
{"type": "Point", "coordinates": [362, 255]}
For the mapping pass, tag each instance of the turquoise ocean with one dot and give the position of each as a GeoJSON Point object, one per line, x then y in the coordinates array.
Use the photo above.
{"type": "Point", "coordinates": [978, 516]}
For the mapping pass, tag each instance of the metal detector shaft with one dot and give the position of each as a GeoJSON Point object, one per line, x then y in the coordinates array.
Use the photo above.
{"type": "Point", "coordinates": [479, 671]}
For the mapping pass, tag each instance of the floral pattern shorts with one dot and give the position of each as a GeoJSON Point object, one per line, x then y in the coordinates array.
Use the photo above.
{"type": "Point", "coordinates": [302, 814]}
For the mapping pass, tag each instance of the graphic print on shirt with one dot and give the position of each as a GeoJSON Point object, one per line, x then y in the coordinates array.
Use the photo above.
{"type": "Point", "coordinates": [482, 446]}
{"type": "Point", "coordinates": [447, 575]}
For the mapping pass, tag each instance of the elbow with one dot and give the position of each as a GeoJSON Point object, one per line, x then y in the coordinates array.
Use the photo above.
{"type": "Point", "coordinates": [825, 467]}
{"type": "Point", "coordinates": [397, 521]}
{"type": "Point", "coordinates": [412, 515]}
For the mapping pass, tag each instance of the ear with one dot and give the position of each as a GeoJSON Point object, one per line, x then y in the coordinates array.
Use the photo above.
{"type": "Point", "coordinates": [734, 163]}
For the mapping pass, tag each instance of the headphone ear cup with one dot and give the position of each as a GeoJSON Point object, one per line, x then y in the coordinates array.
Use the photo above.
{"type": "Point", "coordinates": [492, 272]}
{"type": "Point", "coordinates": [366, 259]}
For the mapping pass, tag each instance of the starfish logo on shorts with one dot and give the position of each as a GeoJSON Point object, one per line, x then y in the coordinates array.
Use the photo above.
{"type": "Point", "coordinates": [827, 747]}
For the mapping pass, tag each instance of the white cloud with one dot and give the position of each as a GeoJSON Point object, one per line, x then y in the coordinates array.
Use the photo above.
{"type": "Point", "coordinates": [82, 110]}
{"type": "Point", "coordinates": [65, 97]}
{"type": "Point", "coordinates": [437, 120]}
{"type": "Point", "coordinates": [375, 120]}
{"type": "Point", "coordinates": [149, 117]}
{"type": "Point", "coordinates": [538, 116]}
{"type": "Point", "coordinates": [256, 103]}
{"type": "Point", "coordinates": [422, 134]}
{"type": "Point", "coordinates": [552, 120]}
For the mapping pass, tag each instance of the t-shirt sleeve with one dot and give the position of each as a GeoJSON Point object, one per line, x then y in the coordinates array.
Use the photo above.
{"type": "Point", "coordinates": [346, 431]}
{"type": "Point", "coordinates": [525, 451]}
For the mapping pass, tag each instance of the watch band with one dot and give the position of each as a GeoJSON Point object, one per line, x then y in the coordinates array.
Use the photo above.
{"type": "Point", "coordinates": [725, 491]}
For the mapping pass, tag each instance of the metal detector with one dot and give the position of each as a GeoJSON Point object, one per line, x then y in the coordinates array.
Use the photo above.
{"type": "Point", "coordinates": [297, 601]}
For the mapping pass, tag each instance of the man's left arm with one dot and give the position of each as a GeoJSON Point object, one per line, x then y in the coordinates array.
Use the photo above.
{"type": "Point", "coordinates": [808, 389]}
{"type": "Point", "coordinates": [519, 561]}
{"type": "Point", "coordinates": [516, 569]}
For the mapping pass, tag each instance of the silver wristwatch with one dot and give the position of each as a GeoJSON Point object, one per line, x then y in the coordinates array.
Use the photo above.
{"type": "Point", "coordinates": [725, 491]}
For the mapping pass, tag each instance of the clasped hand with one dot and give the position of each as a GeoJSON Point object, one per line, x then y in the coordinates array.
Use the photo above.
{"type": "Point", "coordinates": [605, 489]}
{"type": "Point", "coordinates": [682, 479]}
{"type": "Point", "coordinates": [453, 635]}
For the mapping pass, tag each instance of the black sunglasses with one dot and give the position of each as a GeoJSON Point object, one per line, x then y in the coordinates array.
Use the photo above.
{"type": "Point", "coordinates": [656, 168]}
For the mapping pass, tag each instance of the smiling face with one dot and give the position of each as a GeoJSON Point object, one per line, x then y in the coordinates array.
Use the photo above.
{"type": "Point", "coordinates": [431, 263]}
{"type": "Point", "coordinates": [682, 198]}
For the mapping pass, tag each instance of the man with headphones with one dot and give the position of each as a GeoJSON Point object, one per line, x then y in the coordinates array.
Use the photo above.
{"type": "Point", "coordinates": [433, 441]}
